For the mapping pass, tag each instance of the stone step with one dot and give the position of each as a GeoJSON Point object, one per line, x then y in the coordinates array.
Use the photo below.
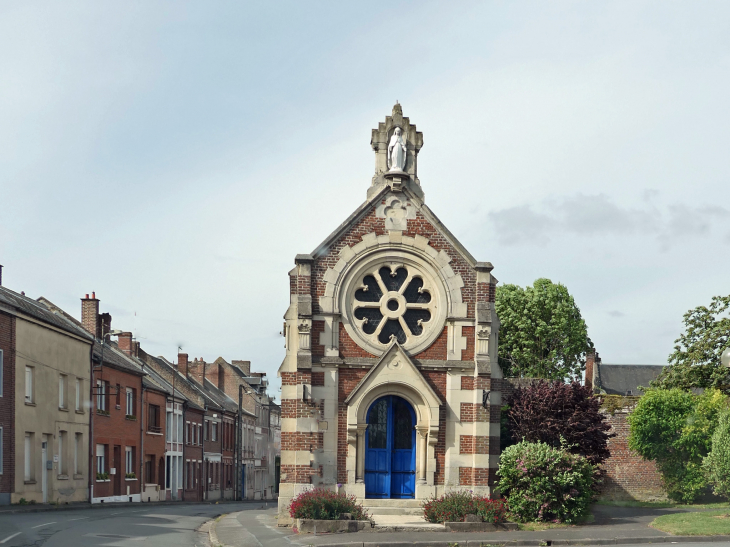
{"type": "Point", "coordinates": [416, 511]}
{"type": "Point", "coordinates": [370, 502]}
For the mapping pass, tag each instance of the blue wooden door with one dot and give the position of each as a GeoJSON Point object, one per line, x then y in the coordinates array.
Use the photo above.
{"type": "Point", "coordinates": [390, 455]}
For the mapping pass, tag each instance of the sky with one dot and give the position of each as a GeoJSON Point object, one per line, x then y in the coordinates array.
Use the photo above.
{"type": "Point", "coordinates": [174, 157]}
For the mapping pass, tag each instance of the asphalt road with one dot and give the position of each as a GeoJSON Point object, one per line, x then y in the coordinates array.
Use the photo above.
{"type": "Point", "coordinates": [118, 526]}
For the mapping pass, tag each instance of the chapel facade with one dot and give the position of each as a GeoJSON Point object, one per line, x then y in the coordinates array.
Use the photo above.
{"type": "Point", "coordinates": [390, 385]}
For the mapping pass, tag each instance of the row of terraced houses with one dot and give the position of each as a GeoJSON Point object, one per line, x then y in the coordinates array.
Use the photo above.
{"type": "Point", "coordinates": [87, 414]}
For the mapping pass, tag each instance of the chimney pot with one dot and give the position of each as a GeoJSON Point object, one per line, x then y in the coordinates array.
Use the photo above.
{"type": "Point", "coordinates": [93, 295]}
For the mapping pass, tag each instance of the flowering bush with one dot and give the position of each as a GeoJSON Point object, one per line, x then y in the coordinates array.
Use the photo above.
{"type": "Point", "coordinates": [321, 504]}
{"type": "Point", "coordinates": [454, 506]}
{"type": "Point", "coordinates": [542, 483]}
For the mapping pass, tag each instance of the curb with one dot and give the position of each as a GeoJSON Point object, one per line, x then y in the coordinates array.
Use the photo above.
{"type": "Point", "coordinates": [73, 507]}
{"type": "Point", "coordinates": [213, 538]}
{"type": "Point", "coordinates": [532, 542]}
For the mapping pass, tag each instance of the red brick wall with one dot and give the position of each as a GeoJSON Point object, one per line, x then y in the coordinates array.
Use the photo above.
{"type": "Point", "coordinates": [7, 402]}
{"type": "Point", "coordinates": [297, 440]}
{"type": "Point", "coordinates": [468, 353]}
{"type": "Point", "coordinates": [193, 452]}
{"type": "Point", "coordinates": [483, 381]}
{"type": "Point", "coordinates": [154, 444]}
{"type": "Point", "coordinates": [318, 379]}
{"type": "Point", "coordinates": [348, 348]}
{"type": "Point", "coordinates": [628, 476]}
{"type": "Point", "coordinates": [300, 474]}
{"type": "Point", "coordinates": [348, 379]}
{"type": "Point", "coordinates": [474, 476]}
{"type": "Point", "coordinates": [118, 430]}
{"type": "Point", "coordinates": [437, 350]}
{"type": "Point", "coordinates": [317, 329]}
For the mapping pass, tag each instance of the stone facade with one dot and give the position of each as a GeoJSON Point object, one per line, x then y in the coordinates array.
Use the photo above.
{"type": "Point", "coordinates": [390, 305]}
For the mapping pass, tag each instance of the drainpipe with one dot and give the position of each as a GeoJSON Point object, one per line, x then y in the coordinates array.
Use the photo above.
{"type": "Point", "coordinates": [91, 423]}
{"type": "Point", "coordinates": [141, 437]}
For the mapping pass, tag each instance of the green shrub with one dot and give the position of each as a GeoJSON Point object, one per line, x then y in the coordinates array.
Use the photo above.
{"type": "Point", "coordinates": [547, 484]}
{"type": "Point", "coordinates": [717, 463]}
{"type": "Point", "coordinates": [322, 504]}
{"type": "Point", "coordinates": [454, 506]}
{"type": "Point", "coordinates": [674, 428]}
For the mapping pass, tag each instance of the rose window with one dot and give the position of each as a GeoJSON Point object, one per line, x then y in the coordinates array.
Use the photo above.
{"type": "Point", "coordinates": [393, 303]}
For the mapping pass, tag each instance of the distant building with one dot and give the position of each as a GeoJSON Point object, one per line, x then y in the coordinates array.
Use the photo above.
{"type": "Point", "coordinates": [615, 379]}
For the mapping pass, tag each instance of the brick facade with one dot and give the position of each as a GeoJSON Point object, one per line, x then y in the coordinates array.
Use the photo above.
{"type": "Point", "coordinates": [628, 476]}
{"type": "Point", "coordinates": [115, 431]}
{"type": "Point", "coordinates": [7, 405]}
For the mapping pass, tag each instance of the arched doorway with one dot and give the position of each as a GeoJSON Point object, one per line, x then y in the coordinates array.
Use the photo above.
{"type": "Point", "coordinates": [390, 449]}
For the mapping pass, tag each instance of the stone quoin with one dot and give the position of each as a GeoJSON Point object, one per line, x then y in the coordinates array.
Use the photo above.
{"type": "Point", "coordinates": [391, 349]}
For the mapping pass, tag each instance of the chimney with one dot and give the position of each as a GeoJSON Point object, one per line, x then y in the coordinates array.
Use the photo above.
{"type": "Point", "coordinates": [196, 370]}
{"type": "Point", "coordinates": [125, 343]}
{"type": "Point", "coordinates": [211, 373]}
{"type": "Point", "coordinates": [90, 314]}
{"type": "Point", "coordinates": [135, 348]}
{"type": "Point", "coordinates": [104, 324]}
{"type": "Point", "coordinates": [182, 363]}
{"type": "Point", "coordinates": [221, 378]}
{"type": "Point", "coordinates": [1, 275]}
{"type": "Point", "coordinates": [590, 368]}
{"type": "Point", "coordinates": [244, 366]}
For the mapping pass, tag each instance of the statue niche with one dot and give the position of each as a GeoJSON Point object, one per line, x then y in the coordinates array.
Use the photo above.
{"type": "Point", "coordinates": [397, 152]}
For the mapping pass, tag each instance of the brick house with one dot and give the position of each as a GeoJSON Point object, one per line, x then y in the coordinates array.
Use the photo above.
{"type": "Point", "coordinates": [390, 383]}
{"type": "Point", "coordinates": [44, 403]}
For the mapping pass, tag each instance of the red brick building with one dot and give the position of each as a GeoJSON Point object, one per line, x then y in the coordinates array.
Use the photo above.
{"type": "Point", "coordinates": [390, 384]}
{"type": "Point", "coordinates": [7, 406]}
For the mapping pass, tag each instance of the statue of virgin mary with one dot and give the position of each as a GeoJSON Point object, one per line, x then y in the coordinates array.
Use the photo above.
{"type": "Point", "coordinates": [396, 151]}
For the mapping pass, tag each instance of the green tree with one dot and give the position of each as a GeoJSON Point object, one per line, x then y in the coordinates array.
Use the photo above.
{"type": "Point", "coordinates": [717, 462]}
{"type": "Point", "coordinates": [542, 333]}
{"type": "Point", "coordinates": [674, 427]}
{"type": "Point", "coordinates": [695, 362]}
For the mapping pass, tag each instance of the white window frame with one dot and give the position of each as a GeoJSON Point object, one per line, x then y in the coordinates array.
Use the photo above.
{"type": "Point", "coordinates": [100, 459]}
{"type": "Point", "coordinates": [62, 391]}
{"type": "Point", "coordinates": [27, 453]}
{"type": "Point", "coordinates": [28, 384]}
{"type": "Point", "coordinates": [130, 402]}
{"type": "Point", "coordinates": [128, 460]}
{"type": "Point", "coordinates": [61, 435]}
{"type": "Point", "coordinates": [78, 444]}
{"type": "Point", "coordinates": [79, 387]}
{"type": "Point", "coordinates": [101, 395]}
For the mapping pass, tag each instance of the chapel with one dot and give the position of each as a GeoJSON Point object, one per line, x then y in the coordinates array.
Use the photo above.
{"type": "Point", "coordinates": [391, 389]}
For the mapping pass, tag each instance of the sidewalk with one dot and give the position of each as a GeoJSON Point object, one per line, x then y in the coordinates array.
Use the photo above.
{"type": "Point", "coordinates": [44, 507]}
{"type": "Point", "coordinates": [613, 525]}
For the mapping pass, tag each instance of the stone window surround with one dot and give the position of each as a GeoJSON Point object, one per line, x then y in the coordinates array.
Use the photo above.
{"type": "Point", "coordinates": [346, 276]}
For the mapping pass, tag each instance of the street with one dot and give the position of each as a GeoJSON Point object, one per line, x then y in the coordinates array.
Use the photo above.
{"type": "Point", "coordinates": [119, 525]}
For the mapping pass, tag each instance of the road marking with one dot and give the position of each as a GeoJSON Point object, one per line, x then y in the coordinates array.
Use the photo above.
{"type": "Point", "coordinates": [80, 518]}
{"type": "Point", "coordinates": [10, 537]}
{"type": "Point", "coordinates": [46, 524]}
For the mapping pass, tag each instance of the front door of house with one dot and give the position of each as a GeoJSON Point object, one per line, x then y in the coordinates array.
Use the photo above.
{"type": "Point", "coordinates": [390, 455]}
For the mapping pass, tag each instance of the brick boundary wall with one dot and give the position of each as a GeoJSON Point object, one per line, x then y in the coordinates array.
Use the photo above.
{"type": "Point", "coordinates": [628, 475]}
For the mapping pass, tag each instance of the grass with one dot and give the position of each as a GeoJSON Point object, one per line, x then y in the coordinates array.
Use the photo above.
{"type": "Point", "coordinates": [663, 504]}
{"type": "Point", "coordinates": [704, 523]}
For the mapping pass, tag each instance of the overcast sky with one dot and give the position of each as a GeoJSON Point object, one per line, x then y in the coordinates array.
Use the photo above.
{"type": "Point", "coordinates": [174, 157]}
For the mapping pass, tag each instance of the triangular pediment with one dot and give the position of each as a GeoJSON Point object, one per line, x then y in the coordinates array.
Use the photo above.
{"type": "Point", "coordinates": [395, 366]}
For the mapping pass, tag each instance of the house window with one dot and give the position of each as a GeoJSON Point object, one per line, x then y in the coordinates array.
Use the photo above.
{"type": "Point", "coordinates": [1, 381]}
{"type": "Point", "coordinates": [128, 460]}
{"type": "Point", "coordinates": [78, 447]}
{"type": "Point", "coordinates": [214, 432]}
{"type": "Point", "coordinates": [187, 432]}
{"type": "Point", "coordinates": [62, 444]}
{"type": "Point", "coordinates": [130, 402]}
{"type": "Point", "coordinates": [101, 395]}
{"type": "Point", "coordinates": [169, 428]}
{"type": "Point", "coordinates": [207, 429]}
{"type": "Point", "coordinates": [28, 385]}
{"type": "Point", "coordinates": [153, 424]}
{"type": "Point", "coordinates": [1, 450]}
{"type": "Point", "coordinates": [100, 458]}
{"type": "Point", "coordinates": [27, 457]}
{"type": "Point", "coordinates": [79, 387]}
{"type": "Point", "coordinates": [62, 391]}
